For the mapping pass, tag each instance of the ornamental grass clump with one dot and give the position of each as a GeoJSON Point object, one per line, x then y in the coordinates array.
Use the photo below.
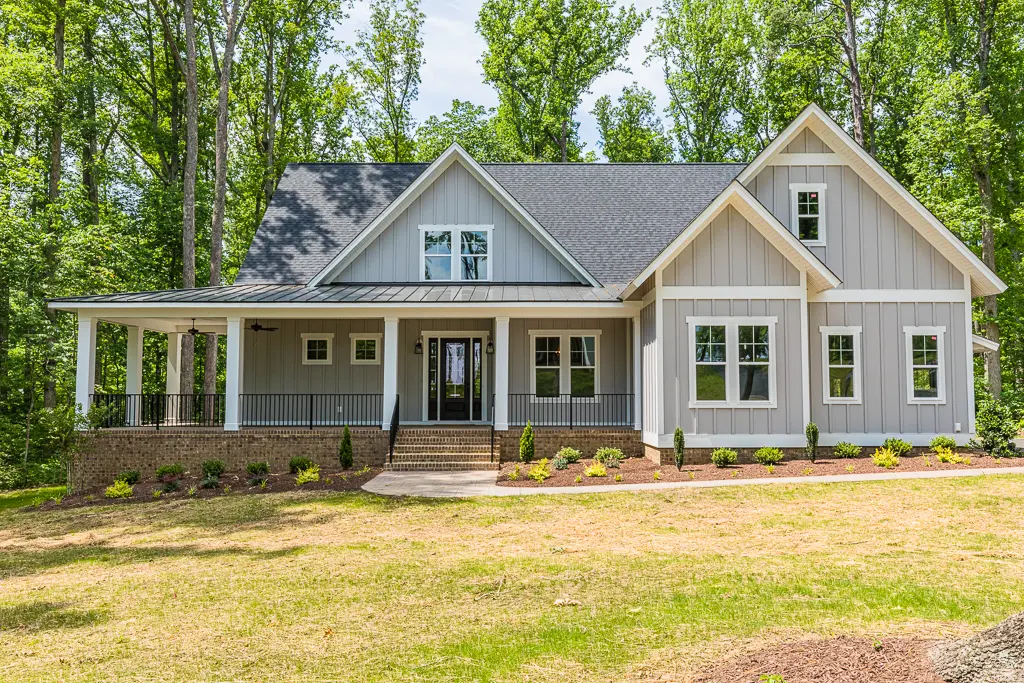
{"type": "Point", "coordinates": [950, 457]}
{"type": "Point", "coordinates": [769, 455]}
{"type": "Point", "coordinates": [540, 471]}
{"type": "Point", "coordinates": [885, 457]}
{"type": "Point", "coordinates": [595, 469]}
{"type": "Point", "coordinates": [723, 457]}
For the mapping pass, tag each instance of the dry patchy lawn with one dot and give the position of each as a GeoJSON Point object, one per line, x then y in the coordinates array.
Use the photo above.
{"type": "Point", "coordinates": [352, 587]}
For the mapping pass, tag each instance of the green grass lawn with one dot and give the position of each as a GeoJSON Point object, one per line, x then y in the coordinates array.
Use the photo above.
{"type": "Point", "coordinates": [353, 587]}
{"type": "Point", "coordinates": [13, 500]}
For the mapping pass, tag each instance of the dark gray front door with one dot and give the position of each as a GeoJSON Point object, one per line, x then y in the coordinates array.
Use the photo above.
{"type": "Point", "coordinates": [455, 379]}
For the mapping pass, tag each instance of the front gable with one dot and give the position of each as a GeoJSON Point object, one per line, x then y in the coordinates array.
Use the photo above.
{"type": "Point", "coordinates": [456, 198]}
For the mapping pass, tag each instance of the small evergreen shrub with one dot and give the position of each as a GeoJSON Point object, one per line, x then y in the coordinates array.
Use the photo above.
{"type": "Point", "coordinates": [210, 482]}
{"type": "Point", "coordinates": [540, 471]}
{"type": "Point", "coordinates": [811, 433]}
{"type": "Point", "coordinates": [595, 469]}
{"type": "Point", "coordinates": [257, 468]}
{"type": "Point", "coordinates": [560, 463]}
{"type": "Point", "coordinates": [345, 449]}
{"type": "Point", "coordinates": [947, 442]}
{"type": "Point", "coordinates": [526, 443]}
{"type": "Point", "coordinates": [130, 477]}
{"type": "Point", "coordinates": [299, 463]}
{"type": "Point", "coordinates": [885, 457]}
{"type": "Point", "coordinates": [603, 455]}
{"type": "Point", "coordinates": [845, 449]}
{"type": "Point", "coordinates": [679, 447]}
{"type": "Point", "coordinates": [308, 475]}
{"type": "Point", "coordinates": [167, 472]}
{"type": "Point", "coordinates": [119, 489]}
{"type": "Point", "coordinates": [723, 457]}
{"type": "Point", "coordinates": [570, 454]}
{"type": "Point", "coordinates": [997, 428]}
{"type": "Point", "coordinates": [618, 477]}
{"type": "Point", "coordinates": [899, 447]}
{"type": "Point", "coordinates": [769, 455]}
{"type": "Point", "coordinates": [171, 486]}
{"type": "Point", "coordinates": [213, 469]}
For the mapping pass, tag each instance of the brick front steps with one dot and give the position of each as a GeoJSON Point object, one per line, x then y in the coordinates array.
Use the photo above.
{"type": "Point", "coordinates": [443, 449]}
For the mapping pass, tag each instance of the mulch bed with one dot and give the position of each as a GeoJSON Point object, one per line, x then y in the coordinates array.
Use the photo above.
{"type": "Point", "coordinates": [230, 485]}
{"type": "Point", "coordinates": [838, 660]}
{"type": "Point", "coordinates": [641, 470]}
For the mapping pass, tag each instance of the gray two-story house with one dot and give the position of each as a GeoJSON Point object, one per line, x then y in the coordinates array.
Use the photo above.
{"type": "Point", "coordinates": [736, 301]}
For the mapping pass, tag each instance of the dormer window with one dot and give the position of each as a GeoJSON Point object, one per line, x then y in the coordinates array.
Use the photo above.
{"type": "Point", "coordinates": [808, 213]}
{"type": "Point", "coordinates": [455, 253]}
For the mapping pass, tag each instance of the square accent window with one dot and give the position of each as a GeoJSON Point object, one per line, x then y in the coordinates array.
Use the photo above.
{"type": "Point", "coordinates": [808, 216]}
{"type": "Point", "coordinates": [317, 349]}
{"type": "Point", "coordinates": [925, 371]}
{"type": "Point", "coordinates": [365, 349]}
{"type": "Point", "coordinates": [733, 362]}
{"type": "Point", "coordinates": [840, 354]}
{"type": "Point", "coordinates": [452, 254]}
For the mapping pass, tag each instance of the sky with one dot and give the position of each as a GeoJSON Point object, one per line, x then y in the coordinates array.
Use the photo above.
{"type": "Point", "coordinates": [452, 49]}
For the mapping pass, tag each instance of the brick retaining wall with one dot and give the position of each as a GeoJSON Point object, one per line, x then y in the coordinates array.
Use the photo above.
{"type": "Point", "coordinates": [547, 442]}
{"type": "Point", "coordinates": [111, 451]}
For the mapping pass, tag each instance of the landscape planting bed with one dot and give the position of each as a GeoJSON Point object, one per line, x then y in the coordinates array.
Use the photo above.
{"type": "Point", "coordinates": [641, 470]}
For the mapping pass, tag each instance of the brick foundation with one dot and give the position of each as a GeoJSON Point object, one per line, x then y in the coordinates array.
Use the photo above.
{"type": "Point", "coordinates": [547, 442]}
{"type": "Point", "coordinates": [109, 452]}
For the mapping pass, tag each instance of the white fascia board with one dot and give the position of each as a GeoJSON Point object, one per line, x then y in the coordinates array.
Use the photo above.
{"type": "Point", "coordinates": [821, 124]}
{"type": "Point", "coordinates": [737, 196]}
{"type": "Point", "coordinates": [454, 154]}
{"type": "Point", "coordinates": [982, 344]}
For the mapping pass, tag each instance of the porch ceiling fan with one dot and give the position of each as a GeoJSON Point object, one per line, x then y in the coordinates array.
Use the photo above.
{"type": "Point", "coordinates": [256, 327]}
{"type": "Point", "coordinates": [192, 330]}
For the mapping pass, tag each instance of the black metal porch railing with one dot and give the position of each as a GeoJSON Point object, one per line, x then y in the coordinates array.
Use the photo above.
{"type": "Point", "coordinates": [564, 410]}
{"type": "Point", "coordinates": [393, 431]}
{"type": "Point", "coordinates": [159, 410]}
{"type": "Point", "coordinates": [311, 410]}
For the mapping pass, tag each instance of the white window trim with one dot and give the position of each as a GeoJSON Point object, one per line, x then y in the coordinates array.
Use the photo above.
{"type": "Point", "coordinates": [355, 336]}
{"type": "Point", "coordinates": [564, 379]}
{"type": "Point", "coordinates": [794, 224]}
{"type": "Point", "coordinates": [855, 331]}
{"type": "Point", "coordinates": [309, 336]}
{"type": "Point", "coordinates": [456, 232]}
{"type": "Point", "coordinates": [908, 335]}
{"type": "Point", "coordinates": [732, 374]}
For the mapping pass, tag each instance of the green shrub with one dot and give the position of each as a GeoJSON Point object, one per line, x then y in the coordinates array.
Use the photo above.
{"type": "Point", "coordinates": [119, 489]}
{"type": "Point", "coordinates": [723, 457]}
{"type": "Point", "coordinates": [769, 455]}
{"type": "Point", "coordinates": [258, 480]}
{"type": "Point", "coordinates": [213, 469]}
{"type": "Point", "coordinates": [950, 456]}
{"type": "Point", "coordinates": [130, 477]}
{"type": "Point", "coordinates": [514, 474]}
{"type": "Point", "coordinates": [885, 457]}
{"type": "Point", "coordinates": [997, 428]}
{"type": "Point", "coordinates": [165, 472]}
{"type": "Point", "coordinates": [560, 463]}
{"type": "Point", "coordinates": [299, 463]}
{"type": "Point", "coordinates": [257, 468]}
{"type": "Point", "coordinates": [210, 482]}
{"type": "Point", "coordinates": [811, 433]}
{"type": "Point", "coordinates": [171, 486]}
{"type": "Point", "coordinates": [609, 457]}
{"type": "Point", "coordinates": [345, 449]}
{"type": "Point", "coordinates": [570, 454]}
{"type": "Point", "coordinates": [947, 442]}
{"type": "Point", "coordinates": [899, 447]}
{"type": "Point", "coordinates": [845, 449]}
{"type": "Point", "coordinates": [526, 443]}
{"type": "Point", "coordinates": [307, 475]}
{"type": "Point", "coordinates": [595, 469]}
{"type": "Point", "coordinates": [679, 446]}
{"type": "Point", "coordinates": [540, 471]}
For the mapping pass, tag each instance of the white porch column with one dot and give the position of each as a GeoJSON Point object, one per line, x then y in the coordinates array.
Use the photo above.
{"type": "Point", "coordinates": [133, 375]}
{"type": "Point", "coordinates": [85, 373]}
{"type": "Point", "coordinates": [501, 373]}
{"type": "Point", "coordinates": [637, 376]}
{"type": "Point", "coordinates": [233, 375]}
{"type": "Point", "coordinates": [173, 385]}
{"type": "Point", "coordinates": [390, 370]}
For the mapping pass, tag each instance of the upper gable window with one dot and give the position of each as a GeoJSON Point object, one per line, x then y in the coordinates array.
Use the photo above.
{"type": "Point", "coordinates": [455, 253]}
{"type": "Point", "coordinates": [808, 212]}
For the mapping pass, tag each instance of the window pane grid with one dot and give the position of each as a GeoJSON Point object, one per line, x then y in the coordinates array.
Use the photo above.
{"type": "Point", "coordinates": [547, 364]}
{"type": "Point", "coordinates": [711, 358]}
{"type": "Point", "coordinates": [468, 260]}
{"type": "Point", "coordinates": [808, 214]}
{"type": "Point", "coordinates": [841, 366]}
{"type": "Point", "coordinates": [924, 349]}
{"type": "Point", "coordinates": [753, 362]}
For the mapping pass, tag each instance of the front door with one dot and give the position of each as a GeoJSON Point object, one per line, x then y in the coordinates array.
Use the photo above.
{"type": "Point", "coordinates": [455, 379]}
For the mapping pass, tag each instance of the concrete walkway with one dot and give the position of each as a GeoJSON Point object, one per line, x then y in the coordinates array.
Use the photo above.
{"type": "Point", "coordinates": [469, 484]}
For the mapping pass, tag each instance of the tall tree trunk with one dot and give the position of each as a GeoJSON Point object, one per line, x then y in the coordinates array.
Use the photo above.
{"type": "Point", "coordinates": [188, 225]}
{"type": "Point", "coordinates": [269, 122]}
{"type": "Point", "coordinates": [53, 194]}
{"type": "Point", "coordinates": [856, 83]}
{"type": "Point", "coordinates": [5, 335]}
{"type": "Point", "coordinates": [90, 147]}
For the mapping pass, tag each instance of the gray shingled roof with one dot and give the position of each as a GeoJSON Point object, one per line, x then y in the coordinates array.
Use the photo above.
{"type": "Point", "coordinates": [358, 294]}
{"type": "Point", "coordinates": [613, 218]}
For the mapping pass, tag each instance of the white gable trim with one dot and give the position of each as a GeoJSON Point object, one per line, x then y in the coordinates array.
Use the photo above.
{"type": "Point", "coordinates": [984, 281]}
{"type": "Point", "coordinates": [819, 277]}
{"type": "Point", "coordinates": [454, 154]}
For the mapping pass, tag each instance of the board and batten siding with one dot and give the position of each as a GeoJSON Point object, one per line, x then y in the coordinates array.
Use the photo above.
{"type": "Point", "coordinates": [868, 245]}
{"type": "Point", "coordinates": [884, 408]}
{"type": "Point", "coordinates": [613, 360]}
{"type": "Point", "coordinates": [785, 418]}
{"type": "Point", "coordinates": [456, 198]}
{"type": "Point", "coordinates": [730, 252]}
